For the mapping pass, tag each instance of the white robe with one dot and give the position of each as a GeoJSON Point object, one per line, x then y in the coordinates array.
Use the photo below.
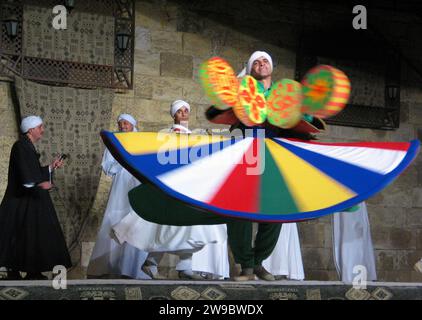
{"type": "Point", "coordinates": [108, 257]}
{"type": "Point", "coordinates": [206, 243]}
{"type": "Point", "coordinates": [286, 258]}
{"type": "Point", "coordinates": [352, 244]}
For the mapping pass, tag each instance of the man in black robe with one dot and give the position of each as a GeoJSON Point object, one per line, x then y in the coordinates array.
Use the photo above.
{"type": "Point", "coordinates": [31, 239]}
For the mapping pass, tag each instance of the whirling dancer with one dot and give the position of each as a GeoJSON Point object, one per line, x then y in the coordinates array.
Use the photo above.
{"type": "Point", "coordinates": [269, 176]}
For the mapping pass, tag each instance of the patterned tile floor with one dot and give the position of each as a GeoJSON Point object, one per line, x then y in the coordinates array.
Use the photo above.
{"type": "Point", "coordinates": [206, 290]}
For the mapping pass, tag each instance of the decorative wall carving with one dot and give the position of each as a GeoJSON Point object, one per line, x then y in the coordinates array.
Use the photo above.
{"type": "Point", "coordinates": [84, 55]}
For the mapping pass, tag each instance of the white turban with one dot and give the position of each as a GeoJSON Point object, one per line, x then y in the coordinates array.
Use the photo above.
{"type": "Point", "coordinates": [256, 55]}
{"type": "Point", "coordinates": [176, 105]}
{"type": "Point", "coordinates": [128, 118]}
{"type": "Point", "coordinates": [29, 123]}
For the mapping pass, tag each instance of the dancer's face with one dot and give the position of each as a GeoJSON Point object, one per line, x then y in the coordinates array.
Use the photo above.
{"type": "Point", "coordinates": [261, 68]}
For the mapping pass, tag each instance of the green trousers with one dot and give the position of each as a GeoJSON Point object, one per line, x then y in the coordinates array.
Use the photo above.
{"type": "Point", "coordinates": [240, 237]}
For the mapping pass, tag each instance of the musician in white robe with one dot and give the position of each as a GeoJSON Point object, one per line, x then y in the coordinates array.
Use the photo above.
{"type": "Point", "coordinates": [108, 257]}
{"type": "Point", "coordinates": [352, 244]}
{"type": "Point", "coordinates": [201, 249]}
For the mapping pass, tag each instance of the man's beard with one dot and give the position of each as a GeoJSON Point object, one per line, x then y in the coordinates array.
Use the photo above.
{"type": "Point", "coordinates": [260, 77]}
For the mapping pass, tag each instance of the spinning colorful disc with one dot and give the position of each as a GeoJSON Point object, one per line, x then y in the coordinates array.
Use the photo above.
{"type": "Point", "coordinates": [284, 104]}
{"type": "Point", "coordinates": [258, 179]}
{"type": "Point", "coordinates": [219, 82]}
{"type": "Point", "coordinates": [252, 100]}
{"type": "Point", "coordinates": [326, 91]}
{"type": "Point", "coordinates": [241, 114]}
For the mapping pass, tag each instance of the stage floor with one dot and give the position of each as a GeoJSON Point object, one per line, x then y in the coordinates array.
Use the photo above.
{"type": "Point", "coordinates": [206, 290]}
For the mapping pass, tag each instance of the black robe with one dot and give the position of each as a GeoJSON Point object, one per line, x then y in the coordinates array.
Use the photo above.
{"type": "Point", "coordinates": [31, 239]}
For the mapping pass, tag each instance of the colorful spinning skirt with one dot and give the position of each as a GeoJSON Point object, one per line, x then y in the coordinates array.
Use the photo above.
{"type": "Point", "coordinates": [204, 179]}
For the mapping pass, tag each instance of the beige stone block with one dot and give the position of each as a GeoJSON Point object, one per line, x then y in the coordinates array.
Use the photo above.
{"type": "Point", "coordinates": [328, 235]}
{"type": "Point", "coordinates": [176, 65]}
{"type": "Point", "coordinates": [345, 133]}
{"type": "Point", "coordinates": [142, 38]}
{"type": "Point", "coordinates": [151, 111]}
{"type": "Point", "coordinates": [8, 121]}
{"type": "Point", "coordinates": [384, 259]}
{"type": "Point", "coordinates": [143, 86]}
{"type": "Point", "coordinates": [415, 113]}
{"type": "Point", "coordinates": [381, 237]}
{"type": "Point", "coordinates": [324, 219]}
{"type": "Point", "coordinates": [402, 238]}
{"type": "Point", "coordinates": [408, 179]}
{"type": "Point", "coordinates": [234, 57]}
{"type": "Point", "coordinates": [167, 88]}
{"type": "Point", "coordinates": [411, 94]}
{"type": "Point", "coordinates": [404, 111]}
{"type": "Point", "coordinates": [415, 276]}
{"type": "Point", "coordinates": [320, 275]}
{"type": "Point", "coordinates": [200, 115]}
{"type": "Point", "coordinates": [196, 45]}
{"type": "Point", "coordinates": [405, 133]}
{"type": "Point", "coordinates": [6, 144]}
{"type": "Point", "coordinates": [376, 200]}
{"type": "Point", "coordinates": [284, 64]}
{"type": "Point", "coordinates": [164, 41]}
{"type": "Point", "coordinates": [76, 273]}
{"type": "Point", "coordinates": [146, 63]}
{"type": "Point", "coordinates": [363, 134]}
{"type": "Point", "coordinates": [397, 196]}
{"type": "Point", "coordinates": [414, 218]}
{"type": "Point", "coordinates": [86, 252]}
{"type": "Point", "coordinates": [103, 190]}
{"type": "Point", "coordinates": [317, 258]}
{"type": "Point", "coordinates": [397, 276]}
{"type": "Point", "coordinates": [156, 16]}
{"type": "Point", "coordinates": [4, 88]}
{"type": "Point", "coordinates": [393, 238]}
{"type": "Point", "coordinates": [154, 126]}
{"type": "Point", "coordinates": [417, 197]}
{"type": "Point", "coordinates": [125, 93]}
{"type": "Point", "coordinates": [120, 104]}
{"type": "Point", "coordinates": [402, 260]}
{"type": "Point", "coordinates": [419, 240]}
{"type": "Point", "coordinates": [193, 92]}
{"type": "Point", "coordinates": [386, 216]}
{"type": "Point", "coordinates": [213, 29]}
{"type": "Point", "coordinates": [312, 235]}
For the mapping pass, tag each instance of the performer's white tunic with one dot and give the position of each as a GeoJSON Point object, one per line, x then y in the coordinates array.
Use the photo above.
{"type": "Point", "coordinates": [214, 257]}
{"type": "Point", "coordinates": [208, 243]}
{"type": "Point", "coordinates": [352, 244]}
{"type": "Point", "coordinates": [286, 258]}
{"type": "Point", "coordinates": [108, 257]}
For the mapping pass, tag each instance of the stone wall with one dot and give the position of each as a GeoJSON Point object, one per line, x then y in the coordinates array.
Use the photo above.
{"type": "Point", "coordinates": [174, 37]}
{"type": "Point", "coordinates": [8, 133]}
